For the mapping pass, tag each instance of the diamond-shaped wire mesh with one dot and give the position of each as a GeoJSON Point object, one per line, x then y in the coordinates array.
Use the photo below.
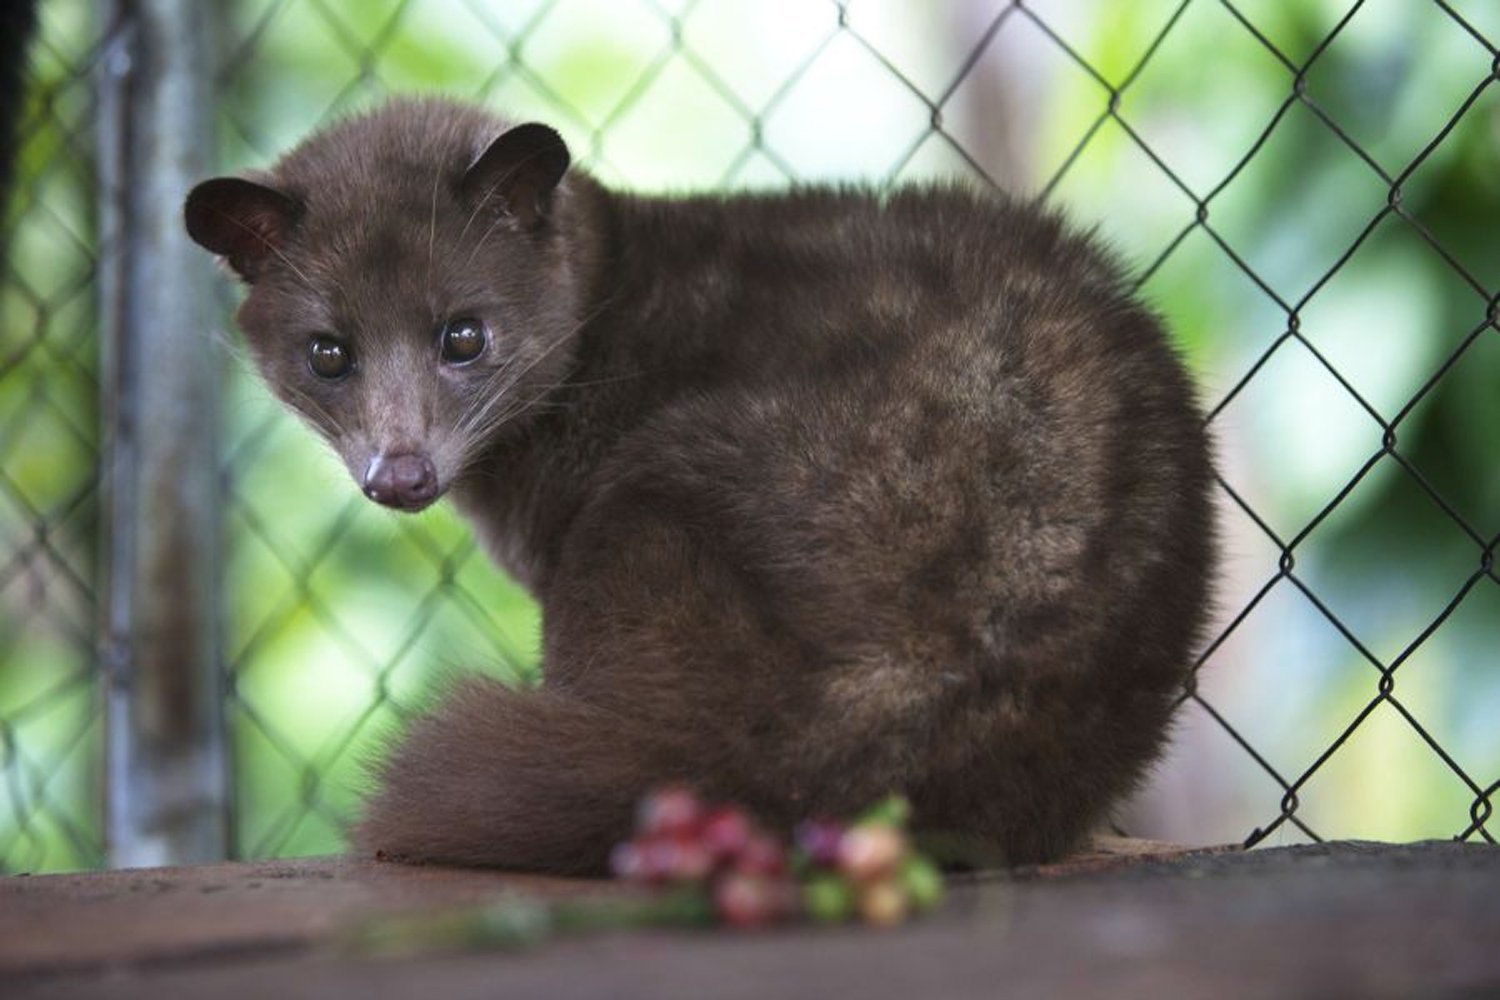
{"type": "Point", "coordinates": [1308, 192]}
{"type": "Point", "coordinates": [49, 718]}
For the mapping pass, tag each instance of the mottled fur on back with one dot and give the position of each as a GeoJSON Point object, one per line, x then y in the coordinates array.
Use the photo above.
{"type": "Point", "coordinates": [824, 493]}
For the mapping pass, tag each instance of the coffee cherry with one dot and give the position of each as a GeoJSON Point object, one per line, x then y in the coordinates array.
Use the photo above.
{"type": "Point", "coordinates": [884, 903]}
{"type": "Point", "coordinates": [828, 898]}
{"type": "Point", "coordinates": [870, 850]}
{"type": "Point", "coordinates": [893, 810]}
{"type": "Point", "coordinates": [625, 861]}
{"type": "Point", "coordinates": [819, 840]}
{"type": "Point", "coordinates": [658, 859]}
{"type": "Point", "coordinates": [745, 900]}
{"type": "Point", "coordinates": [922, 880]}
{"type": "Point", "coordinates": [718, 855]}
{"type": "Point", "coordinates": [761, 855]}
{"type": "Point", "coordinates": [669, 811]}
{"type": "Point", "coordinates": [725, 832]}
{"type": "Point", "coordinates": [691, 860]}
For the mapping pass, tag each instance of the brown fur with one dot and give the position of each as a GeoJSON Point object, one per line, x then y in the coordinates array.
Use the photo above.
{"type": "Point", "coordinates": [824, 494]}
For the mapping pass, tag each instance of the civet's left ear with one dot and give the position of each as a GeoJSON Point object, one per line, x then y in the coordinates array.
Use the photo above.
{"type": "Point", "coordinates": [518, 173]}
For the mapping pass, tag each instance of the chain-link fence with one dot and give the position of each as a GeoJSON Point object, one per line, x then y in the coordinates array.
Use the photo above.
{"type": "Point", "coordinates": [1308, 191]}
{"type": "Point", "coordinates": [50, 732]}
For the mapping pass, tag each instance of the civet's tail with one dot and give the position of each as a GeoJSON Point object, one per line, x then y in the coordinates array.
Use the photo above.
{"type": "Point", "coordinates": [531, 780]}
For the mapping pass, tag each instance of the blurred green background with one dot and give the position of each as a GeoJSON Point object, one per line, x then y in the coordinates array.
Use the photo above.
{"type": "Point", "coordinates": [1242, 158]}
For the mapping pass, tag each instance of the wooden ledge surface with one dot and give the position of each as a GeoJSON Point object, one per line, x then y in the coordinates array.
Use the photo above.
{"type": "Point", "coordinates": [1126, 918]}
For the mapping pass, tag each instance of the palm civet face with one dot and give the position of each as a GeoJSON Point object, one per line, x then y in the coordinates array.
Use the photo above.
{"type": "Point", "coordinates": [407, 335]}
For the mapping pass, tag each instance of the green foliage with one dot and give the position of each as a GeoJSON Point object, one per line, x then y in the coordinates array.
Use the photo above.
{"type": "Point", "coordinates": [341, 618]}
{"type": "Point", "coordinates": [50, 731]}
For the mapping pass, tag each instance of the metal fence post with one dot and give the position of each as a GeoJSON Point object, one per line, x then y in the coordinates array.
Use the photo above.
{"type": "Point", "coordinates": [166, 789]}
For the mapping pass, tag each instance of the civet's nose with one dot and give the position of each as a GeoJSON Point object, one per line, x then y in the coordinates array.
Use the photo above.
{"type": "Point", "coordinates": [406, 482]}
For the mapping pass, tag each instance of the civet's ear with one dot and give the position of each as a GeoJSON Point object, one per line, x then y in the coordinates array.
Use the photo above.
{"type": "Point", "coordinates": [519, 170]}
{"type": "Point", "coordinates": [244, 222]}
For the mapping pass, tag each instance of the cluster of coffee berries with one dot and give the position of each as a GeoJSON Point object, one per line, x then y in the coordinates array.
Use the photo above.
{"type": "Point", "coordinates": [680, 840]}
{"type": "Point", "coordinates": [833, 871]}
{"type": "Point", "coordinates": [866, 868]}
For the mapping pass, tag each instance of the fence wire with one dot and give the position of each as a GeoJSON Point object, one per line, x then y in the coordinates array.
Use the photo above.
{"type": "Point", "coordinates": [49, 699]}
{"type": "Point", "coordinates": [335, 611]}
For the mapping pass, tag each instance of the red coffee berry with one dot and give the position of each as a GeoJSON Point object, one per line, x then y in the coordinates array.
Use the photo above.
{"type": "Point", "coordinates": [669, 811]}
{"type": "Point", "coordinates": [725, 832]}
{"type": "Point", "coordinates": [691, 861]}
{"type": "Point", "coordinates": [762, 854]}
{"type": "Point", "coordinates": [742, 899]}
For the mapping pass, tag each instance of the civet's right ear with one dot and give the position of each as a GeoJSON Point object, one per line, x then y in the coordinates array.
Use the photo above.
{"type": "Point", "coordinates": [244, 222]}
{"type": "Point", "coordinates": [518, 173]}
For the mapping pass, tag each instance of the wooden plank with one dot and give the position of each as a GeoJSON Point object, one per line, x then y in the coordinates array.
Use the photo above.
{"type": "Point", "coordinates": [152, 915]}
{"type": "Point", "coordinates": [1346, 919]}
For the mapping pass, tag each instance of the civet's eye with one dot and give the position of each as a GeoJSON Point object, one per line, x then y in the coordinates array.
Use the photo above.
{"type": "Point", "coordinates": [464, 339]}
{"type": "Point", "coordinates": [329, 359]}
